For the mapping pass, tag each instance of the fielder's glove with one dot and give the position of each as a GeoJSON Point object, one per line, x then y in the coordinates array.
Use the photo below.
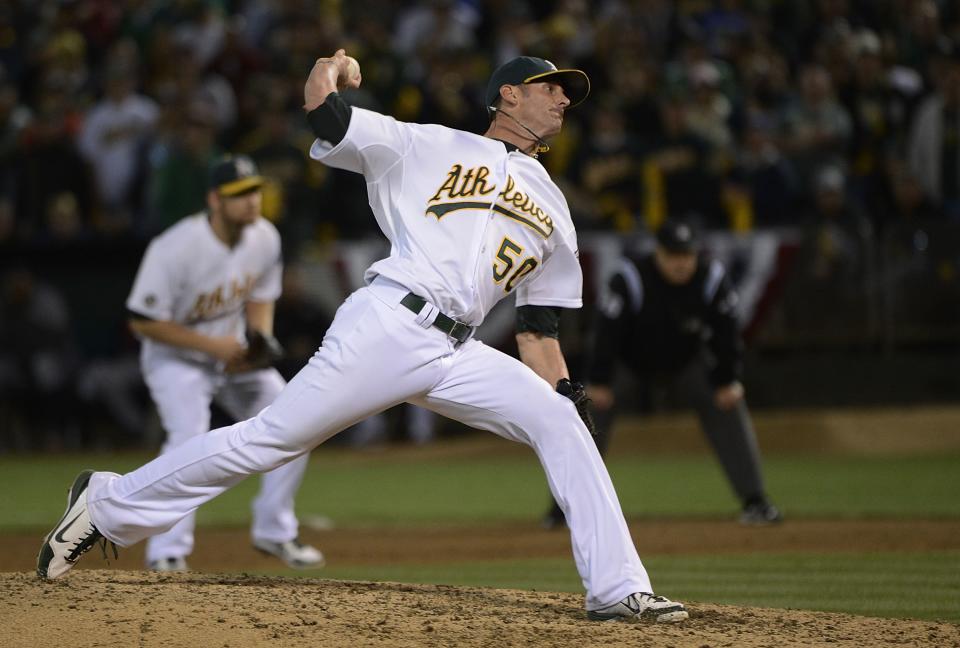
{"type": "Point", "coordinates": [576, 393]}
{"type": "Point", "coordinates": [262, 349]}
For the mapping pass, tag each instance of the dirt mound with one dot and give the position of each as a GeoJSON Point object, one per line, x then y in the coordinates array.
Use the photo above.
{"type": "Point", "coordinates": [123, 607]}
{"type": "Point", "coordinates": [112, 608]}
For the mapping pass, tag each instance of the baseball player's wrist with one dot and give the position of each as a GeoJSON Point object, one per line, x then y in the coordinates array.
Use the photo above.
{"type": "Point", "coordinates": [330, 120]}
{"type": "Point", "coordinates": [321, 83]}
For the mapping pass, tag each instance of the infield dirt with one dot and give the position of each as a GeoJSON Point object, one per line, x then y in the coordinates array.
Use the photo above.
{"type": "Point", "coordinates": [218, 606]}
{"type": "Point", "coordinates": [122, 609]}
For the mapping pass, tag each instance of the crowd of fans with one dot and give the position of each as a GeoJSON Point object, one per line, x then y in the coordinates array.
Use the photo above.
{"type": "Point", "coordinates": [748, 114]}
{"type": "Point", "coordinates": [840, 118]}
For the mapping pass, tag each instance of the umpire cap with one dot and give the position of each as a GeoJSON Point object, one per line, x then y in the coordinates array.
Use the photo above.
{"type": "Point", "coordinates": [678, 236]}
{"type": "Point", "coordinates": [232, 175]}
{"type": "Point", "coordinates": [530, 69]}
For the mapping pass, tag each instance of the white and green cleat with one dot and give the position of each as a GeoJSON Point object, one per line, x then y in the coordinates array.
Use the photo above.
{"type": "Point", "coordinates": [73, 536]}
{"type": "Point", "coordinates": [641, 607]}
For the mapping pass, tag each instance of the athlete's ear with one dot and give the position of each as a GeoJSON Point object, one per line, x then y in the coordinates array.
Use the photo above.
{"type": "Point", "coordinates": [508, 95]}
{"type": "Point", "coordinates": [213, 199]}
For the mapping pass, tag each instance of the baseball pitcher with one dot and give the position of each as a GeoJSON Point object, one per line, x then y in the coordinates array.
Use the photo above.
{"type": "Point", "coordinates": [470, 219]}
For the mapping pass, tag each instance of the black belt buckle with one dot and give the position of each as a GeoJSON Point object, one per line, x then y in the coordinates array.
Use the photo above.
{"type": "Point", "coordinates": [457, 330]}
{"type": "Point", "coordinates": [460, 332]}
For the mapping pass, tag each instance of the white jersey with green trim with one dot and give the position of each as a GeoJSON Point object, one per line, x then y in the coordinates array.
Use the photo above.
{"type": "Point", "coordinates": [468, 221]}
{"type": "Point", "coordinates": [191, 277]}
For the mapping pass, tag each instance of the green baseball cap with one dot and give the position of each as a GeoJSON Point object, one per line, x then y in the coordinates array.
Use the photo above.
{"type": "Point", "coordinates": [232, 175]}
{"type": "Point", "coordinates": [530, 69]}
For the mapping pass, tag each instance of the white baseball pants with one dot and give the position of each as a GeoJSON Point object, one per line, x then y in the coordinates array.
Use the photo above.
{"type": "Point", "coordinates": [182, 393]}
{"type": "Point", "coordinates": [374, 356]}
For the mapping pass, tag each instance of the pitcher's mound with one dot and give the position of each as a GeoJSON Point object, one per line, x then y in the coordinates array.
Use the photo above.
{"type": "Point", "coordinates": [128, 608]}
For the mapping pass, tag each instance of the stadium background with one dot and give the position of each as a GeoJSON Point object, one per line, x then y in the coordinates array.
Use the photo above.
{"type": "Point", "coordinates": [816, 142]}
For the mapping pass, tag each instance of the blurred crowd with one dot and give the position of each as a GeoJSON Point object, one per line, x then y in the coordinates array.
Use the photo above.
{"type": "Point", "coordinates": [744, 113]}
{"type": "Point", "coordinates": [839, 118]}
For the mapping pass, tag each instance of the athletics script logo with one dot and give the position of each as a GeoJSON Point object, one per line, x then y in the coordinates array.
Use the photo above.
{"type": "Point", "coordinates": [473, 183]}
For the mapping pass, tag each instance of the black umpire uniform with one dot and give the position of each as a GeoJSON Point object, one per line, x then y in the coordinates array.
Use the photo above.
{"type": "Point", "coordinates": [670, 319]}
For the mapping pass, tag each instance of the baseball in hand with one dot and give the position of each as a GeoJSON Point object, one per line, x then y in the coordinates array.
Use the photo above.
{"type": "Point", "coordinates": [353, 73]}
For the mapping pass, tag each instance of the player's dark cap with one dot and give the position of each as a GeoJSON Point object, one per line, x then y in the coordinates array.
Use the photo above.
{"type": "Point", "coordinates": [232, 175]}
{"type": "Point", "coordinates": [530, 69]}
{"type": "Point", "coordinates": [678, 236]}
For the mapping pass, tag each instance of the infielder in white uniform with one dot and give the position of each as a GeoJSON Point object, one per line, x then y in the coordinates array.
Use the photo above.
{"type": "Point", "coordinates": [201, 285]}
{"type": "Point", "coordinates": [470, 220]}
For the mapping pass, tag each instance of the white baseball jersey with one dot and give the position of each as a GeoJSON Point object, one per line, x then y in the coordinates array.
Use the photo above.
{"type": "Point", "coordinates": [191, 277]}
{"type": "Point", "coordinates": [468, 221]}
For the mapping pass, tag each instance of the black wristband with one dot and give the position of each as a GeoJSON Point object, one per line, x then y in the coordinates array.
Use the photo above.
{"type": "Point", "coordinates": [544, 320]}
{"type": "Point", "coordinates": [329, 121]}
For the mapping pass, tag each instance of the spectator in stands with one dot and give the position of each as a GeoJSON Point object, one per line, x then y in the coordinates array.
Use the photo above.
{"type": "Point", "coordinates": [435, 24]}
{"type": "Point", "coordinates": [605, 166]}
{"type": "Point", "coordinates": [909, 203]}
{"type": "Point", "coordinates": [836, 229]}
{"type": "Point", "coordinates": [194, 83]}
{"type": "Point", "coordinates": [626, 23]}
{"type": "Point", "coordinates": [635, 84]}
{"type": "Point", "coordinates": [54, 183]}
{"type": "Point", "coordinates": [14, 117]}
{"type": "Point", "coordinates": [709, 111]}
{"type": "Point", "coordinates": [933, 148]}
{"type": "Point", "coordinates": [919, 38]}
{"type": "Point", "coordinates": [114, 137]}
{"type": "Point", "coordinates": [879, 100]}
{"type": "Point", "coordinates": [290, 192]}
{"type": "Point", "coordinates": [723, 25]}
{"type": "Point", "coordinates": [833, 264]}
{"type": "Point", "coordinates": [675, 171]}
{"type": "Point", "coordinates": [38, 359]}
{"type": "Point", "coordinates": [449, 94]}
{"type": "Point", "coordinates": [238, 63]}
{"type": "Point", "coordinates": [768, 176]}
{"type": "Point", "coordinates": [177, 180]}
{"type": "Point", "coordinates": [817, 126]}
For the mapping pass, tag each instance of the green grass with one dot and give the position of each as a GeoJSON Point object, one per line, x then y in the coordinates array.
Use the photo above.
{"type": "Point", "coordinates": [918, 586]}
{"type": "Point", "coordinates": [364, 489]}
{"type": "Point", "coordinates": [406, 488]}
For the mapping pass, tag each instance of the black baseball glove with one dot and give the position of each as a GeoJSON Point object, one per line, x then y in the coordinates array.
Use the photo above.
{"type": "Point", "coordinates": [576, 393]}
{"type": "Point", "coordinates": [262, 349]}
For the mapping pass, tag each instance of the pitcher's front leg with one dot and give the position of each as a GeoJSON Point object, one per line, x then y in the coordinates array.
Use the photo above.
{"type": "Point", "coordinates": [489, 390]}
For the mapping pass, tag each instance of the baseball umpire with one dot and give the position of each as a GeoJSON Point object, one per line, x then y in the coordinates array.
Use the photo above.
{"type": "Point", "coordinates": [669, 318]}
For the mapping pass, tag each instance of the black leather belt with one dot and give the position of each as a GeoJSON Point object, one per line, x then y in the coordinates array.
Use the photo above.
{"type": "Point", "coordinates": [457, 330]}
